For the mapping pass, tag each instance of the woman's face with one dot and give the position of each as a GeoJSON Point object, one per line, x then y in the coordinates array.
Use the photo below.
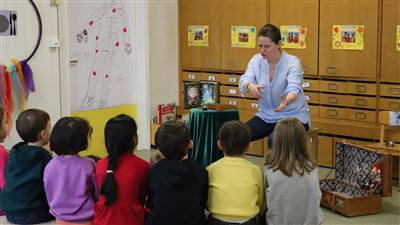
{"type": "Point", "coordinates": [267, 48]}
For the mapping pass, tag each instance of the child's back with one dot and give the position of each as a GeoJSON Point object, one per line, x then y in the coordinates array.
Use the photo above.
{"type": "Point", "coordinates": [23, 198]}
{"type": "Point", "coordinates": [236, 187]}
{"type": "Point", "coordinates": [178, 186]}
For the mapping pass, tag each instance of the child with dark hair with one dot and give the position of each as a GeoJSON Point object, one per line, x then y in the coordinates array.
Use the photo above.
{"type": "Point", "coordinates": [4, 129]}
{"type": "Point", "coordinates": [293, 193]}
{"type": "Point", "coordinates": [23, 198]}
{"type": "Point", "coordinates": [70, 180]}
{"type": "Point", "coordinates": [178, 185]}
{"type": "Point", "coordinates": [122, 176]}
{"type": "Point", "coordinates": [236, 186]}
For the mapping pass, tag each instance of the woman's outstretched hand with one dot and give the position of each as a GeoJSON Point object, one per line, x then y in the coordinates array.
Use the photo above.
{"type": "Point", "coordinates": [254, 89]}
{"type": "Point", "coordinates": [283, 104]}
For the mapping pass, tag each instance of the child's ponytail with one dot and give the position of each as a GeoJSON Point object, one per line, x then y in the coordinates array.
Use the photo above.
{"type": "Point", "coordinates": [108, 188]}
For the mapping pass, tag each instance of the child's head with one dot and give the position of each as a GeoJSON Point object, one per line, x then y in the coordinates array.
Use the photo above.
{"type": "Point", "coordinates": [234, 138]}
{"type": "Point", "coordinates": [289, 148]}
{"type": "Point", "coordinates": [70, 135]}
{"type": "Point", "coordinates": [173, 140]}
{"type": "Point", "coordinates": [33, 125]}
{"type": "Point", "coordinates": [156, 157]}
{"type": "Point", "coordinates": [3, 125]}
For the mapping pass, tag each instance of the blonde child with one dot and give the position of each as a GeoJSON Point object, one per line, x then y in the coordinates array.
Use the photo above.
{"type": "Point", "coordinates": [236, 186]}
{"type": "Point", "coordinates": [122, 176]}
{"type": "Point", "coordinates": [70, 180]}
{"type": "Point", "coordinates": [23, 199]}
{"type": "Point", "coordinates": [3, 152]}
{"type": "Point", "coordinates": [293, 194]}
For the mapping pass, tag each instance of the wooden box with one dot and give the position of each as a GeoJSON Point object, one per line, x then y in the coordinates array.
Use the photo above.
{"type": "Point", "coordinates": [344, 194]}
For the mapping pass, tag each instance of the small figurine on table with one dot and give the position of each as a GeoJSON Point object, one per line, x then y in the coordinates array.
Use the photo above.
{"type": "Point", "coordinates": [375, 180]}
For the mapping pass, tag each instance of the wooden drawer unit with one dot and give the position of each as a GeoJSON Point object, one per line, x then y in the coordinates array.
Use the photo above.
{"type": "Point", "coordinates": [211, 76]}
{"type": "Point", "coordinates": [313, 110]}
{"type": "Point", "coordinates": [232, 101]}
{"type": "Point", "coordinates": [230, 79]}
{"type": "Point", "coordinates": [312, 97]}
{"type": "Point", "coordinates": [257, 147]}
{"type": "Point", "coordinates": [325, 151]}
{"type": "Point", "coordinates": [361, 115]}
{"type": "Point", "coordinates": [390, 90]}
{"type": "Point", "coordinates": [332, 112]}
{"type": "Point", "coordinates": [389, 104]}
{"type": "Point", "coordinates": [191, 76]}
{"type": "Point", "coordinates": [361, 102]}
{"type": "Point", "coordinates": [361, 88]}
{"type": "Point", "coordinates": [250, 104]}
{"type": "Point", "coordinates": [333, 86]}
{"type": "Point", "coordinates": [311, 85]}
{"type": "Point", "coordinates": [332, 99]}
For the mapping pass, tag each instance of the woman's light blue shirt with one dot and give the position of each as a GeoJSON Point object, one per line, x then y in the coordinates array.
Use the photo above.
{"type": "Point", "coordinates": [288, 78]}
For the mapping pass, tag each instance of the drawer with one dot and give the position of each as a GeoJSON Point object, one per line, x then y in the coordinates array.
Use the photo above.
{"type": "Point", "coordinates": [191, 76]}
{"type": "Point", "coordinates": [312, 97]}
{"type": "Point", "coordinates": [250, 104]}
{"type": "Point", "coordinates": [389, 104]}
{"type": "Point", "coordinates": [390, 90]}
{"type": "Point", "coordinates": [361, 88]}
{"type": "Point", "coordinates": [331, 112]}
{"type": "Point", "coordinates": [331, 99]}
{"type": "Point", "coordinates": [230, 79]}
{"type": "Point", "coordinates": [333, 86]}
{"type": "Point", "coordinates": [211, 76]}
{"type": "Point", "coordinates": [361, 115]}
{"type": "Point", "coordinates": [230, 91]}
{"type": "Point", "coordinates": [313, 110]}
{"type": "Point", "coordinates": [361, 102]}
{"type": "Point", "coordinates": [311, 85]}
{"type": "Point", "coordinates": [232, 101]}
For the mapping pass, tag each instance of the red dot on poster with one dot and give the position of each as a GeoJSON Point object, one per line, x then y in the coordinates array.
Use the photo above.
{"type": "Point", "coordinates": [124, 29]}
{"type": "Point", "coordinates": [91, 23]}
{"type": "Point", "coordinates": [94, 73]}
{"type": "Point", "coordinates": [106, 76]}
{"type": "Point", "coordinates": [128, 45]}
{"type": "Point", "coordinates": [117, 44]}
{"type": "Point", "coordinates": [97, 50]}
{"type": "Point", "coordinates": [114, 10]}
{"type": "Point", "coordinates": [97, 37]}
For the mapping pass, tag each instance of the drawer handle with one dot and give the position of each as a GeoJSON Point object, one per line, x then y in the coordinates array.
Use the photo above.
{"type": "Point", "coordinates": [361, 88]}
{"type": "Point", "coordinates": [332, 112]}
{"type": "Point", "coordinates": [394, 91]}
{"type": "Point", "coordinates": [307, 97]}
{"type": "Point", "coordinates": [394, 105]}
{"type": "Point", "coordinates": [361, 102]}
{"type": "Point", "coordinates": [212, 78]}
{"type": "Point", "coordinates": [254, 105]}
{"type": "Point", "coordinates": [306, 85]}
{"type": "Point", "coordinates": [332, 100]}
{"type": "Point", "coordinates": [231, 65]}
{"type": "Point", "coordinates": [360, 115]}
{"type": "Point", "coordinates": [232, 91]}
{"type": "Point", "coordinates": [192, 77]}
{"type": "Point", "coordinates": [232, 80]}
{"type": "Point", "coordinates": [332, 87]}
{"type": "Point", "coordinates": [331, 69]}
{"type": "Point", "coordinates": [306, 68]}
{"type": "Point", "coordinates": [232, 102]}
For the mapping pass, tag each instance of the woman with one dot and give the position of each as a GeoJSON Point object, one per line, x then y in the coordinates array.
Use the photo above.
{"type": "Point", "coordinates": [275, 78]}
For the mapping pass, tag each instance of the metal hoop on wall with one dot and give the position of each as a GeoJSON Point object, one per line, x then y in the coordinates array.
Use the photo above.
{"type": "Point", "coordinates": [40, 30]}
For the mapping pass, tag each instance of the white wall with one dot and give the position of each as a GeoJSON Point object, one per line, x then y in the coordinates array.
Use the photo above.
{"type": "Point", "coordinates": [163, 20]}
{"type": "Point", "coordinates": [45, 63]}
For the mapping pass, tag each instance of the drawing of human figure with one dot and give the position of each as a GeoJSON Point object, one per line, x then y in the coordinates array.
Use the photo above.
{"type": "Point", "coordinates": [111, 28]}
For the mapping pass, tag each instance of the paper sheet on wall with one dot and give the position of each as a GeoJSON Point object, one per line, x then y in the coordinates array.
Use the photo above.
{"type": "Point", "coordinates": [294, 37]}
{"type": "Point", "coordinates": [243, 36]}
{"type": "Point", "coordinates": [198, 35]}
{"type": "Point", "coordinates": [348, 37]}
{"type": "Point", "coordinates": [102, 68]}
{"type": "Point", "coordinates": [398, 38]}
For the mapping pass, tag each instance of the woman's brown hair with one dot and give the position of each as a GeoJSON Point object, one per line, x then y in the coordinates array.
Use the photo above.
{"type": "Point", "coordinates": [289, 148]}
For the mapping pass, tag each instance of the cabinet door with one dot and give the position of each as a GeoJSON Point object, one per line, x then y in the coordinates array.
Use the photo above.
{"type": "Point", "coordinates": [348, 63]}
{"type": "Point", "coordinates": [390, 69]}
{"type": "Point", "coordinates": [325, 151]}
{"type": "Point", "coordinates": [300, 12]}
{"type": "Point", "coordinates": [239, 13]}
{"type": "Point", "coordinates": [200, 12]}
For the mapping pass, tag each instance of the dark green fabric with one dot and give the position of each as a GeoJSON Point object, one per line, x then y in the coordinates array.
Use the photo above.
{"type": "Point", "coordinates": [204, 127]}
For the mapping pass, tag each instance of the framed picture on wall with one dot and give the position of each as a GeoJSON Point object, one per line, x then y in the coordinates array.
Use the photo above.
{"type": "Point", "coordinates": [209, 92]}
{"type": "Point", "coordinates": [192, 94]}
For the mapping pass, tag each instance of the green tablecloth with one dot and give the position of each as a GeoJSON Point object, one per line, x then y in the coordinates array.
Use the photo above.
{"type": "Point", "coordinates": [204, 127]}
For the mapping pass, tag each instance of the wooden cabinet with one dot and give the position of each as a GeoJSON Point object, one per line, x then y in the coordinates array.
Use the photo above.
{"type": "Point", "coordinates": [390, 63]}
{"type": "Point", "coordinates": [300, 12]}
{"type": "Point", "coordinates": [257, 147]}
{"type": "Point", "coordinates": [348, 63]}
{"type": "Point", "coordinates": [239, 13]}
{"type": "Point", "coordinates": [200, 12]}
{"type": "Point", "coordinates": [325, 151]}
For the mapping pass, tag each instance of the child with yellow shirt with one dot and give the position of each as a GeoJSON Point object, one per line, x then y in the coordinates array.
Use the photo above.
{"type": "Point", "coordinates": [236, 186]}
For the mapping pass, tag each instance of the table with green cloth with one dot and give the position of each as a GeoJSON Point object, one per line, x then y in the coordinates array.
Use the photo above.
{"type": "Point", "coordinates": [204, 127]}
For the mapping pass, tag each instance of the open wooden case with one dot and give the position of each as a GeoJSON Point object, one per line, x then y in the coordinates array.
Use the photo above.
{"type": "Point", "coordinates": [346, 193]}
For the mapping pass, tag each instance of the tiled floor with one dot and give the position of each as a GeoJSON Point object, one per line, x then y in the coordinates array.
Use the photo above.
{"type": "Point", "coordinates": [390, 207]}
